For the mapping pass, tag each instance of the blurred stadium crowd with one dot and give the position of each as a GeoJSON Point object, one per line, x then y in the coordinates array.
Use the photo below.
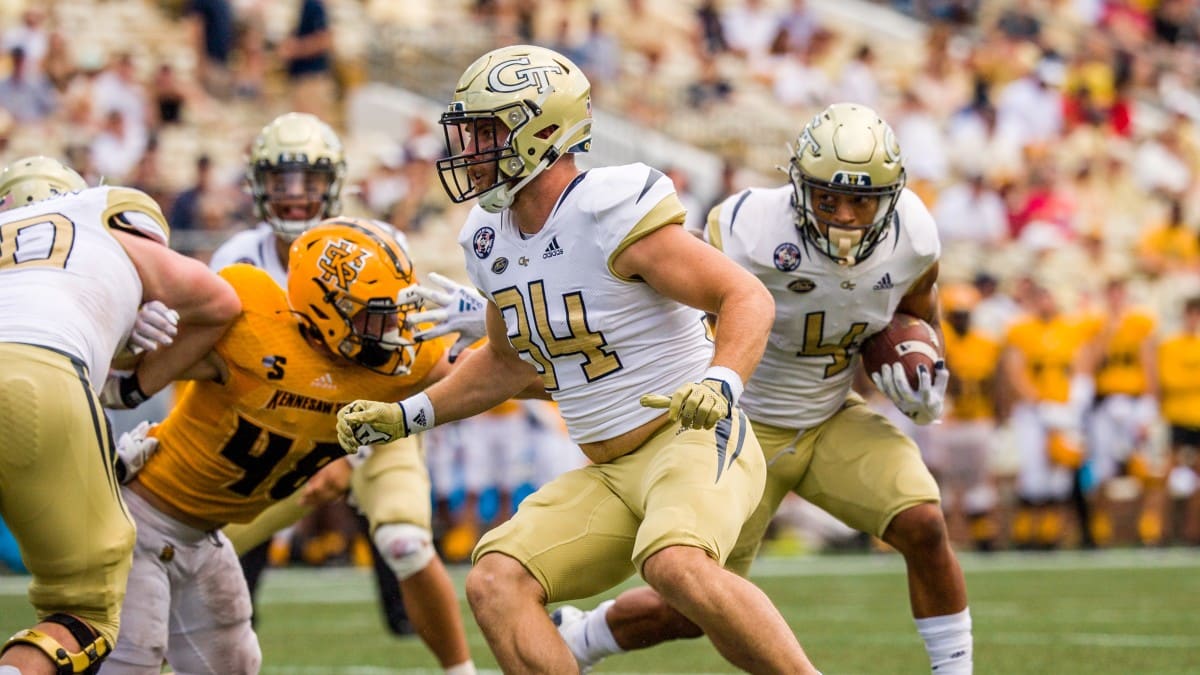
{"type": "Point", "coordinates": [1057, 143]}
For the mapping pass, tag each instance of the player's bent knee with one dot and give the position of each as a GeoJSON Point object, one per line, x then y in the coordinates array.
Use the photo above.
{"type": "Point", "coordinates": [93, 647]}
{"type": "Point", "coordinates": [919, 528]}
{"type": "Point", "coordinates": [408, 549]}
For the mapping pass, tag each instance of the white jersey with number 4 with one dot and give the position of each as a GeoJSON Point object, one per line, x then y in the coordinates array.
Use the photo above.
{"type": "Point", "coordinates": [823, 311]}
{"type": "Point", "coordinates": [65, 282]}
{"type": "Point", "coordinates": [600, 341]}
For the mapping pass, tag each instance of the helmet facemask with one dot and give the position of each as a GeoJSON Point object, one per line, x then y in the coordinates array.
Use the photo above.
{"type": "Point", "coordinates": [516, 111]}
{"type": "Point", "coordinates": [373, 337]}
{"type": "Point", "coordinates": [293, 196]}
{"type": "Point", "coordinates": [846, 244]}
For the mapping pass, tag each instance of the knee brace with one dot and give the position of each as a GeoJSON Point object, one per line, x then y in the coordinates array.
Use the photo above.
{"type": "Point", "coordinates": [93, 647]}
{"type": "Point", "coordinates": [406, 548]}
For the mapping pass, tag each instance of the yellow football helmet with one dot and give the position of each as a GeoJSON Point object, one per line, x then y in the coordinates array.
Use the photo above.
{"type": "Point", "coordinates": [344, 276]}
{"type": "Point", "coordinates": [32, 179]}
{"type": "Point", "coordinates": [296, 171]}
{"type": "Point", "coordinates": [846, 149]}
{"type": "Point", "coordinates": [515, 111]}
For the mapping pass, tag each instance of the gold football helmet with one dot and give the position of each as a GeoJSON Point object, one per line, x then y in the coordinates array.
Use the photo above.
{"type": "Point", "coordinates": [344, 276]}
{"type": "Point", "coordinates": [296, 172]}
{"type": "Point", "coordinates": [32, 179]}
{"type": "Point", "coordinates": [847, 149]}
{"type": "Point", "coordinates": [515, 111]}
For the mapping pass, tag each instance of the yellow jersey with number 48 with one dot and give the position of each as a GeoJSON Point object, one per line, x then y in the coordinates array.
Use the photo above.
{"type": "Point", "coordinates": [229, 450]}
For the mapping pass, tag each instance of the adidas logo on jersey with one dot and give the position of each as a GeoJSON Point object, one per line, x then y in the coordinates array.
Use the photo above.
{"type": "Point", "coordinates": [553, 249]}
{"type": "Point", "coordinates": [884, 284]}
{"type": "Point", "coordinates": [324, 382]}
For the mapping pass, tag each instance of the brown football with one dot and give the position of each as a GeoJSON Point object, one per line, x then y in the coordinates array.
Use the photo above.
{"type": "Point", "coordinates": [906, 340]}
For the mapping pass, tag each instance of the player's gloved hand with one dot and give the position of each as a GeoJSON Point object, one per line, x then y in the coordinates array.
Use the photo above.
{"type": "Point", "coordinates": [461, 310]}
{"type": "Point", "coordinates": [925, 404]}
{"type": "Point", "coordinates": [326, 485]}
{"type": "Point", "coordinates": [156, 326]}
{"type": "Point", "coordinates": [134, 447]}
{"type": "Point", "coordinates": [695, 405]}
{"type": "Point", "coordinates": [374, 422]}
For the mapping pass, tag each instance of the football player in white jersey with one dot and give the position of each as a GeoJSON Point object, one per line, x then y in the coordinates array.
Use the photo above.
{"type": "Point", "coordinates": [75, 265]}
{"type": "Point", "coordinates": [593, 286]}
{"type": "Point", "coordinates": [296, 171]}
{"type": "Point", "coordinates": [842, 249]}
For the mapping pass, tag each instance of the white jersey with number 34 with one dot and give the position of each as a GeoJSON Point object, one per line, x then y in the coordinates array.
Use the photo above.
{"type": "Point", "coordinates": [823, 311]}
{"type": "Point", "coordinates": [600, 341]}
{"type": "Point", "coordinates": [65, 282]}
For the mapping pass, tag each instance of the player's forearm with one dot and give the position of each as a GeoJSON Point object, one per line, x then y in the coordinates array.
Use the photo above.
{"type": "Point", "coordinates": [163, 366]}
{"type": "Point", "coordinates": [743, 323]}
{"type": "Point", "coordinates": [478, 384]}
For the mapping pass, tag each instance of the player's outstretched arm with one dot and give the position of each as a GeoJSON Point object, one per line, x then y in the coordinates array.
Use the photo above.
{"type": "Point", "coordinates": [206, 304]}
{"type": "Point", "coordinates": [491, 375]}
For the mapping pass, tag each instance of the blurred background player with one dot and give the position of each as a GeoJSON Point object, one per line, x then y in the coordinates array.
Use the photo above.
{"type": "Point", "coordinates": [76, 265]}
{"type": "Point", "coordinates": [255, 426]}
{"type": "Point", "coordinates": [295, 171]}
{"type": "Point", "coordinates": [965, 440]}
{"type": "Point", "coordinates": [1047, 365]}
{"type": "Point", "coordinates": [1179, 389]}
{"type": "Point", "coordinates": [1120, 424]}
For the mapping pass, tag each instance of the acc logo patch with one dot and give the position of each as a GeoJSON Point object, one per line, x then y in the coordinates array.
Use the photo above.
{"type": "Point", "coordinates": [485, 237]}
{"type": "Point", "coordinates": [787, 257]}
{"type": "Point", "coordinates": [802, 285]}
{"type": "Point", "coordinates": [340, 263]}
{"type": "Point", "coordinates": [500, 265]}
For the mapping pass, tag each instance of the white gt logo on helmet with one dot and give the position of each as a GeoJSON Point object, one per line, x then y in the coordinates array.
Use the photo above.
{"type": "Point", "coordinates": [532, 76]}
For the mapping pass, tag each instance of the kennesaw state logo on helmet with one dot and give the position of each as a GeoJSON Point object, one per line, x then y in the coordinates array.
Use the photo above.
{"type": "Point", "coordinates": [851, 178]}
{"type": "Point", "coordinates": [340, 263]}
{"type": "Point", "coordinates": [507, 77]}
{"type": "Point", "coordinates": [787, 257]}
{"type": "Point", "coordinates": [484, 238]}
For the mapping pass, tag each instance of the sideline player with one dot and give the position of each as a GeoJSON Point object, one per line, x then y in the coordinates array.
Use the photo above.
{"type": "Point", "coordinates": [75, 264]}
{"type": "Point", "coordinates": [592, 283]}
{"type": "Point", "coordinates": [255, 426]}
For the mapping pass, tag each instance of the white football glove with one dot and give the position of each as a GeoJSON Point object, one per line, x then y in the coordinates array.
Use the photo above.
{"type": "Point", "coordinates": [156, 326]}
{"type": "Point", "coordinates": [133, 449]}
{"type": "Point", "coordinates": [922, 406]}
{"type": "Point", "coordinates": [462, 311]}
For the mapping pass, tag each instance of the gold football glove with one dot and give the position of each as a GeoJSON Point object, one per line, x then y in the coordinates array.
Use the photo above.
{"type": "Point", "coordinates": [695, 405]}
{"type": "Point", "coordinates": [369, 423]}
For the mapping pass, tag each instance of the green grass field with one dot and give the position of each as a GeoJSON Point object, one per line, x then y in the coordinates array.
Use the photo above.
{"type": "Point", "coordinates": [1092, 614]}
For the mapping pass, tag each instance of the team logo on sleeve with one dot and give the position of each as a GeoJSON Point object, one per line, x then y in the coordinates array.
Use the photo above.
{"type": "Point", "coordinates": [787, 257]}
{"type": "Point", "coordinates": [340, 263]}
{"type": "Point", "coordinates": [485, 237]}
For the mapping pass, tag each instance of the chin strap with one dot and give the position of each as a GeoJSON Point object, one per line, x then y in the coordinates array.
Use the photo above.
{"type": "Point", "coordinates": [93, 648]}
{"type": "Point", "coordinates": [502, 197]}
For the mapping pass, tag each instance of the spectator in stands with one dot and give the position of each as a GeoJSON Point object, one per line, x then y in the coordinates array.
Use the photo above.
{"type": "Point", "coordinates": [117, 88]}
{"type": "Point", "coordinates": [710, 86]}
{"type": "Point", "coordinates": [185, 212]}
{"type": "Point", "coordinates": [170, 95]}
{"type": "Point", "coordinates": [799, 25]}
{"type": "Point", "coordinates": [308, 58]}
{"type": "Point", "coordinates": [1178, 358]}
{"type": "Point", "coordinates": [971, 211]}
{"type": "Point", "coordinates": [28, 100]}
{"type": "Point", "coordinates": [711, 31]}
{"type": "Point", "coordinates": [858, 80]}
{"type": "Point", "coordinates": [1171, 246]}
{"type": "Point", "coordinates": [750, 28]}
{"type": "Point", "coordinates": [33, 39]}
{"type": "Point", "coordinates": [212, 30]}
{"type": "Point", "coordinates": [599, 55]}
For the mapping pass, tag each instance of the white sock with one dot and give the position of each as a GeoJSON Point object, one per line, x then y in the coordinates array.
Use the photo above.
{"type": "Point", "coordinates": [948, 642]}
{"type": "Point", "coordinates": [598, 638]}
{"type": "Point", "coordinates": [464, 668]}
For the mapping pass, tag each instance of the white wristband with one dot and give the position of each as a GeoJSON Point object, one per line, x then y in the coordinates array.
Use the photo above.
{"type": "Point", "coordinates": [729, 377]}
{"type": "Point", "coordinates": [418, 413]}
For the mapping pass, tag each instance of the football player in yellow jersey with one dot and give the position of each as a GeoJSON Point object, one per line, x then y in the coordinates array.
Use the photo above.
{"type": "Point", "coordinates": [75, 264]}
{"type": "Point", "coordinates": [1047, 366]}
{"type": "Point", "coordinates": [964, 441]}
{"type": "Point", "coordinates": [1179, 389]}
{"type": "Point", "coordinates": [1119, 424]}
{"type": "Point", "coordinates": [255, 424]}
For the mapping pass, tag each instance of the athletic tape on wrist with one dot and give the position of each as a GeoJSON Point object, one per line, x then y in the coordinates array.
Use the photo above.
{"type": "Point", "coordinates": [729, 377]}
{"type": "Point", "coordinates": [418, 413]}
